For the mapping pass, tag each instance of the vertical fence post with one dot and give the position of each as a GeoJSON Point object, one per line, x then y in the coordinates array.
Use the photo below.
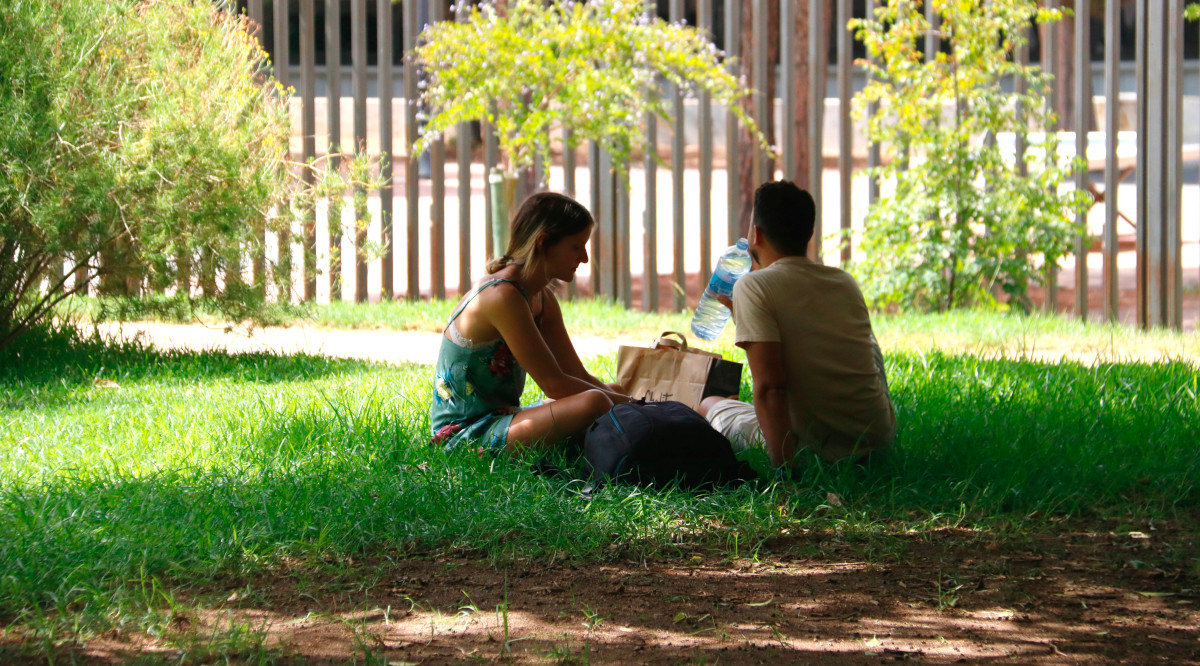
{"type": "Point", "coordinates": [411, 183]}
{"type": "Point", "coordinates": [568, 158]}
{"type": "Point", "coordinates": [437, 207]}
{"type": "Point", "coordinates": [621, 208]}
{"type": "Point", "coordinates": [816, 120]}
{"type": "Point", "coordinates": [763, 105]}
{"type": "Point", "coordinates": [650, 219]}
{"type": "Point", "coordinates": [333, 103]}
{"type": "Point", "coordinates": [933, 43]}
{"type": "Point", "coordinates": [358, 56]}
{"type": "Point", "coordinates": [1021, 87]}
{"type": "Point", "coordinates": [787, 68]}
{"type": "Point", "coordinates": [284, 247]}
{"type": "Point", "coordinates": [1112, 105]}
{"type": "Point", "coordinates": [1157, 205]}
{"type": "Point", "coordinates": [254, 9]}
{"type": "Point", "coordinates": [1173, 183]}
{"type": "Point", "coordinates": [1083, 103]}
{"type": "Point", "coordinates": [607, 223]}
{"type": "Point", "coordinates": [677, 170]}
{"type": "Point", "coordinates": [1140, 52]}
{"type": "Point", "coordinates": [1049, 61]}
{"type": "Point", "coordinates": [874, 151]}
{"type": "Point", "coordinates": [308, 134]}
{"type": "Point", "coordinates": [597, 206]}
{"type": "Point", "coordinates": [733, 200]}
{"type": "Point", "coordinates": [491, 157]}
{"type": "Point", "coordinates": [465, 140]}
{"type": "Point", "coordinates": [387, 155]}
{"type": "Point", "coordinates": [704, 126]}
{"type": "Point", "coordinates": [650, 214]}
{"type": "Point", "coordinates": [845, 129]}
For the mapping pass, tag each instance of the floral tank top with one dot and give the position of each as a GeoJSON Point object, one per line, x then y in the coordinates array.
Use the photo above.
{"type": "Point", "coordinates": [477, 388]}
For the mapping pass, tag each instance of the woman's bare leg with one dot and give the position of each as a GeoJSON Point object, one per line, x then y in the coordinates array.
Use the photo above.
{"type": "Point", "coordinates": [547, 424]}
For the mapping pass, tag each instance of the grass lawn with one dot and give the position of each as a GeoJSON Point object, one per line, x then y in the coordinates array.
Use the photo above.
{"type": "Point", "coordinates": [135, 484]}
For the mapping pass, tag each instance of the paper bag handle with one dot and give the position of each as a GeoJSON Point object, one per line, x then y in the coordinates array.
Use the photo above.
{"type": "Point", "coordinates": [667, 343]}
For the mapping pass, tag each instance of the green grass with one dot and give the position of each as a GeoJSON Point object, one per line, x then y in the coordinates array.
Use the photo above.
{"type": "Point", "coordinates": [1049, 336]}
{"type": "Point", "coordinates": [127, 474]}
{"type": "Point", "coordinates": [978, 332]}
{"type": "Point", "coordinates": [592, 317]}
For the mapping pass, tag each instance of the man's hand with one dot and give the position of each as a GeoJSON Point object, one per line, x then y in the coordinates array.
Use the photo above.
{"type": "Point", "coordinates": [727, 302]}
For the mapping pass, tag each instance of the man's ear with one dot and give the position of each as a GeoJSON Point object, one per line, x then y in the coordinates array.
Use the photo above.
{"type": "Point", "coordinates": [755, 238]}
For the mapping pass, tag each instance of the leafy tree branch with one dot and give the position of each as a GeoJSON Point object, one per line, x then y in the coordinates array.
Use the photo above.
{"type": "Point", "coordinates": [593, 67]}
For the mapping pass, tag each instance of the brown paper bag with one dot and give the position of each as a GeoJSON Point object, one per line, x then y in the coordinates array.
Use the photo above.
{"type": "Point", "coordinates": [670, 370]}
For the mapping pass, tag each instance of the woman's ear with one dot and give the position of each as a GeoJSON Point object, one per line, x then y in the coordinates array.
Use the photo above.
{"type": "Point", "coordinates": [540, 243]}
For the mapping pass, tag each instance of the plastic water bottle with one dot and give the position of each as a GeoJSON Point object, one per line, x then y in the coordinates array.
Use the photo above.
{"type": "Point", "coordinates": [711, 315]}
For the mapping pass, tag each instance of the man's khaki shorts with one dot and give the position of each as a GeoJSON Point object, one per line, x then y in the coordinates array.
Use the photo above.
{"type": "Point", "coordinates": [738, 422]}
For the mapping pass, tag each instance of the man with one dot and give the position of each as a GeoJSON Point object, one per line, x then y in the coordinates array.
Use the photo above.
{"type": "Point", "coordinates": [819, 381]}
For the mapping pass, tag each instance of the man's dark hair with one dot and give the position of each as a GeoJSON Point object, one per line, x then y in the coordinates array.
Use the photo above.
{"type": "Point", "coordinates": [785, 214]}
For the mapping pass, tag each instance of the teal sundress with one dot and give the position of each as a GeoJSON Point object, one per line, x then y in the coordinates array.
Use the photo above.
{"type": "Point", "coordinates": [477, 387]}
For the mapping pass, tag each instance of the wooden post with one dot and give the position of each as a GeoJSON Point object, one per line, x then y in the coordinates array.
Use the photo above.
{"type": "Point", "coordinates": [1112, 55]}
{"type": "Point", "coordinates": [280, 70]}
{"type": "Point", "coordinates": [412, 190]}
{"type": "Point", "coordinates": [816, 117]}
{"type": "Point", "coordinates": [308, 133]}
{"type": "Point", "coordinates": [387, 155]}
{"type": "Point", "coordinates": [333, 99]}
{"type": "Point", "coordinates": [358, 55]}
{"type": "Point", "coordinates": [845, 130]}
{"type": "Point", "coordinates": [1083, 101]}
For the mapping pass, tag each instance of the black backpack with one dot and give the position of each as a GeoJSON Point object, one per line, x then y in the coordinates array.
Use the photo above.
{"type": "Point", "coordinates": [658, 443]}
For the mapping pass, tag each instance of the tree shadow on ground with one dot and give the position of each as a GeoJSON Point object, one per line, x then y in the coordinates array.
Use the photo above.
{"type": "Point", "coordinates": [46, 368]}
{"type": "Point", "coordinates": [1081, 593]}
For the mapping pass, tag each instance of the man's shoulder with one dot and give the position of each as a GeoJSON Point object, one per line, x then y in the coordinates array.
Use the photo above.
{"type": "Point", "coordinates": [800, 269]}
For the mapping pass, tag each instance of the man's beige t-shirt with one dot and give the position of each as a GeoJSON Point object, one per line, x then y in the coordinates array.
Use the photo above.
{"type": "Point", "coordinates": [837, 388]}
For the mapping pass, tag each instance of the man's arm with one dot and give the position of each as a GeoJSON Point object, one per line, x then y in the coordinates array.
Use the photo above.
{"type": "Point", "coordinates": [770, 399]}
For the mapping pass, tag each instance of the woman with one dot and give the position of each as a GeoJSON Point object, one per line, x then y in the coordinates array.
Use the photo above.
{"type": "Point", "coordinates": [510, 324]}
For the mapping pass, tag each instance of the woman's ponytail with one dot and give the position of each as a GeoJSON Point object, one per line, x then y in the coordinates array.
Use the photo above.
{"type": "Point", "coordinates": [498, 263]}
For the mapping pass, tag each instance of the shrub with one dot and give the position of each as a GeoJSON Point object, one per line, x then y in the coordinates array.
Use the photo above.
{"type": "Point", "coordinates": [962, 223]}
{"type": "Point", "coordinates": [144, 142]}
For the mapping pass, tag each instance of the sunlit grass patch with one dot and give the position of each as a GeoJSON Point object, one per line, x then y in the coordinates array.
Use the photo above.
{"type": "Point", "coordinates": [1036, 336]}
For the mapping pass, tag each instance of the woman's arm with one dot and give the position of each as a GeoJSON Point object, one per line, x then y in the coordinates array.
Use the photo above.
{"type": "Point", "coordinates": [507, 310]}
{"type": "Point", "coordinates": [554, 330]}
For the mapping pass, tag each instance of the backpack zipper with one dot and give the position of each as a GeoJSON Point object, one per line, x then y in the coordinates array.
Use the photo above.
{"type": "Point", "coordinates": [619, 469]}
{"type": "Point", "coordinates": [616, 422]}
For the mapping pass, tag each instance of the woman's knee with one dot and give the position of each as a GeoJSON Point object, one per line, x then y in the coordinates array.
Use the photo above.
{"type": "Point", "coordinates": [599, 400]}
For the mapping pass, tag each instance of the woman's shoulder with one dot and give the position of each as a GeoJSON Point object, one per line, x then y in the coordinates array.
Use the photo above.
{"type": "Point", "coordinates": [499, 289]}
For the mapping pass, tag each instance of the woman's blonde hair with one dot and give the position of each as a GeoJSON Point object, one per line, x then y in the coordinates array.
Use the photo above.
{"type": "Point", "coordinates": [550, 213]}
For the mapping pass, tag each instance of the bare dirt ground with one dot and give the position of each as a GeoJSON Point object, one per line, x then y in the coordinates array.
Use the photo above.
{"type": "Point", "coordinates": [1125, 593]}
